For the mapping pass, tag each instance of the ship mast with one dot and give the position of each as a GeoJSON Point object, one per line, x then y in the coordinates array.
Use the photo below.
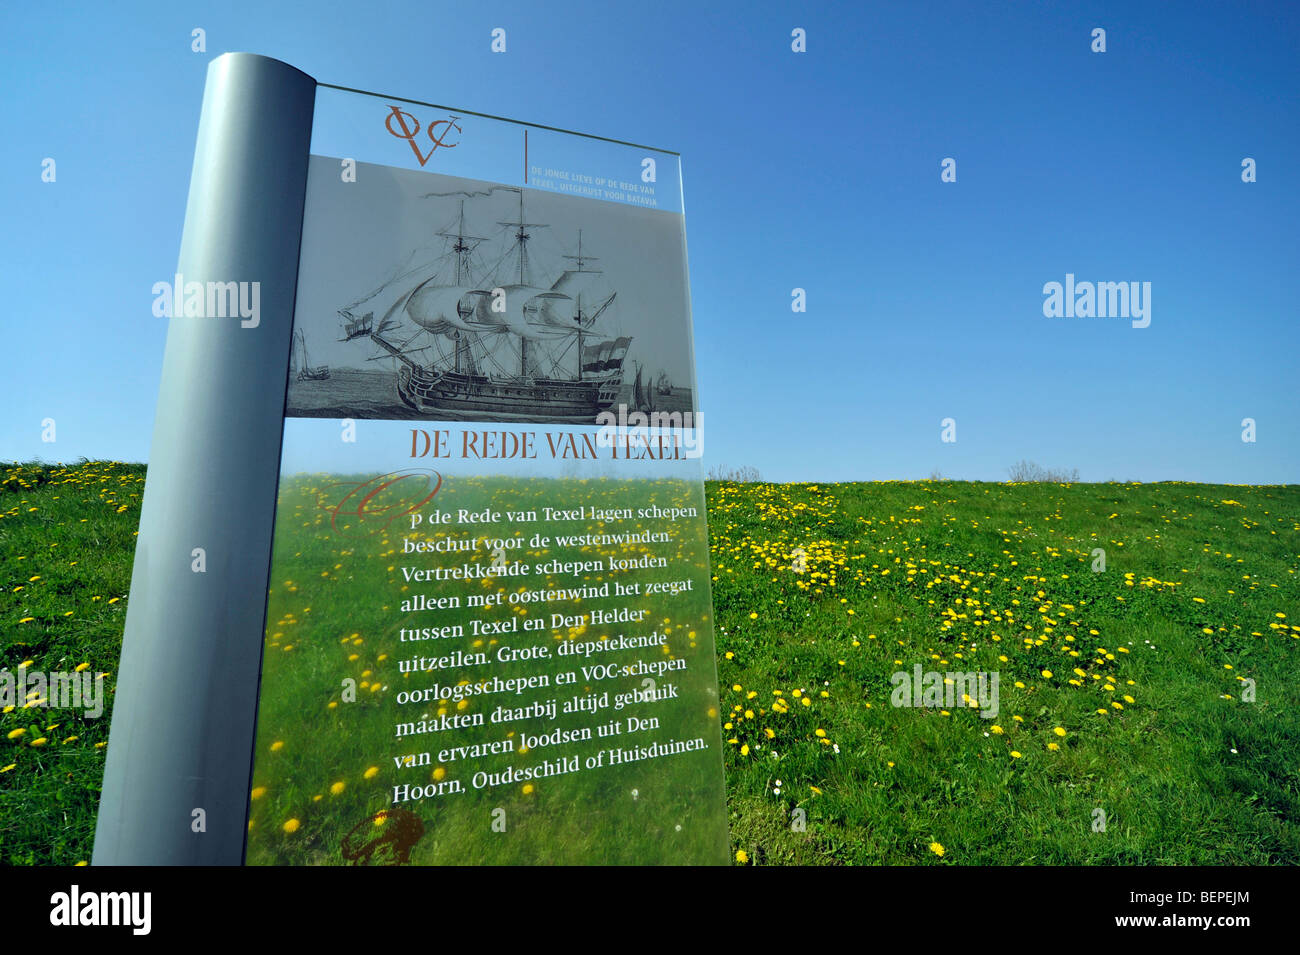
{"type": "Point", "coordinates": [522, 237]}
{"type": "Point", "coordinates": [462, 251]}
{"type": "Point", "coordinates": [580, 258]}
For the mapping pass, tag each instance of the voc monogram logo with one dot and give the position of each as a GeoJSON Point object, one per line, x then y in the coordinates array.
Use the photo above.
{"type": "Point", "coordinates": [407, 127]}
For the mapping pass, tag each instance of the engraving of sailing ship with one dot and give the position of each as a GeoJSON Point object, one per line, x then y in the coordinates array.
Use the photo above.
{"type": "Point", "coordinates": [498, 344]}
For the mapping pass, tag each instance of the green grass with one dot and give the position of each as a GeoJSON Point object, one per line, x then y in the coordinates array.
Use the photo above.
{"type": "Point", "coordinates": [896, 574]}
{"type": "Point", "coordinates": [73, 528]}
{"type": "Point", "coordinates": [1195, 578]}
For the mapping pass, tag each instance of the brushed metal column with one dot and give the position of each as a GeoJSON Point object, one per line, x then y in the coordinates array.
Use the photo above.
{"type": "Point", "coordinates": [182, 727]}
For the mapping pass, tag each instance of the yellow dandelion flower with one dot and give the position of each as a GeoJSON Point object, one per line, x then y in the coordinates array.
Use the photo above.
{"type": "Point", "coordinates": [291, 826]}
{"type": "Point", "coordinates": [937, 849]}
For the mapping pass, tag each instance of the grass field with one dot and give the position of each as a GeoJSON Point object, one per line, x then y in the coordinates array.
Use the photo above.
{"type": "Point", "coordinates": [67, 541]}
{"type": "Point", "coordinates": [1160, 691]}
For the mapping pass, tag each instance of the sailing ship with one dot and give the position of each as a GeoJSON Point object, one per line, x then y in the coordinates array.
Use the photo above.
{"type": "Point", "coordinates": [305, 370]}
{"type": "Point", "coordinates": [664, 384]}
{"type": "Point", "coordinates": [641, 400]}
{"type": "Point", "coordinates": [476, 347]}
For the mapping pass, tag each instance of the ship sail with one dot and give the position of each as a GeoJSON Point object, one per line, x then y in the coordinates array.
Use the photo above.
{"type": "Point", "coordinates": [578, 286]}
{"type": "Point", "coordinates": [638, 393]}
{"type": "Point", "coordinates": [437, 308]}
{"type": "Point", "coordinates": [513, 320]}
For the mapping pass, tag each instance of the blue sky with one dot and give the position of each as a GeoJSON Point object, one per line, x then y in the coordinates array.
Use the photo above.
{"type": "Point", "coordinates": [818, 170]}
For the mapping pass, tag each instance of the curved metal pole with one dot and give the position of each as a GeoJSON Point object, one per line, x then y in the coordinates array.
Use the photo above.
{"type": "Point", "coordinates": [176, 782]}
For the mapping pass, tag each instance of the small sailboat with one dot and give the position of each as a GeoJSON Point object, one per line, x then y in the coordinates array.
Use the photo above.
{"type": "Point", "coordinates": [305, 370]}
{"type": "Point", "coordinates": [640, 395]}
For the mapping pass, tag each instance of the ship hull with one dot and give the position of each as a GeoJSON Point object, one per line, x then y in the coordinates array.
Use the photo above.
{"type": "Point", "coordinates": [429, 391]}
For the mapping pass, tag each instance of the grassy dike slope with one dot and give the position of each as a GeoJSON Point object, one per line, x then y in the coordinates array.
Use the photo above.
{"type": "Point", "coordinates": [1124, 691]}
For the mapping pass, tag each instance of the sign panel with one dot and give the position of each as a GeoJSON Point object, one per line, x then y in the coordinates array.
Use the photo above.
{"type": "Point", "coordinates": [489, 628]}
